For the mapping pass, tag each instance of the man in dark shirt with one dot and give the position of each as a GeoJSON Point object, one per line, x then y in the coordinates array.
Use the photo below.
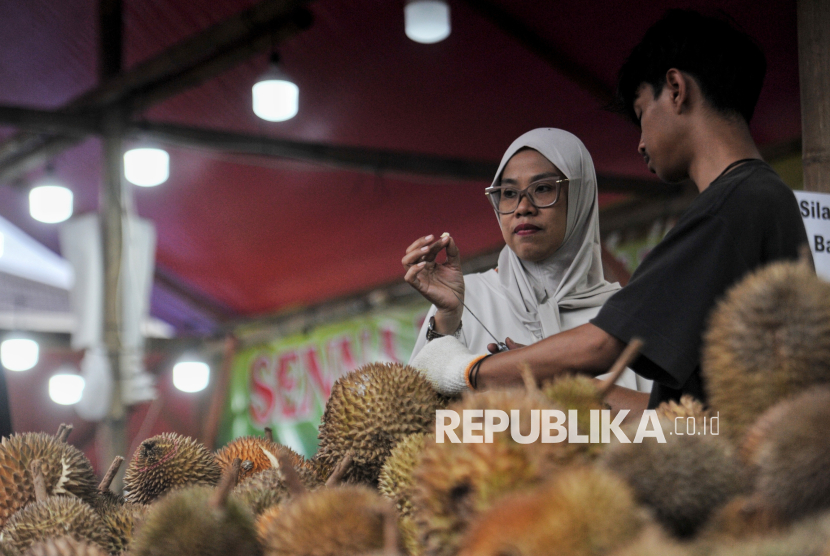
{"type": "Point", "coordinates": [691, 85]}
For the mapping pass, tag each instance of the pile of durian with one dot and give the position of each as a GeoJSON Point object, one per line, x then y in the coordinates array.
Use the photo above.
{"type": "Point", "coordinates": [380, 483]}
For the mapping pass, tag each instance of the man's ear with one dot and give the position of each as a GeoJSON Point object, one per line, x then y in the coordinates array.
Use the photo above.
{"type": "Point", "coordinates": [678, 84]}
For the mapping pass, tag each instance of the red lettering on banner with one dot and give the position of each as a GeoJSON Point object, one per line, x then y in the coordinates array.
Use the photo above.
{"type": "Point", "coordinates": [317, 374]}
{"type": "Point", "coordinates": [389, 342]}
{"type": "Point", "coordinates": [366, 352]}
{"type": "Point", "coordinates": [293, 395]}
{"type": "Point", "coordinates": [262, 392]}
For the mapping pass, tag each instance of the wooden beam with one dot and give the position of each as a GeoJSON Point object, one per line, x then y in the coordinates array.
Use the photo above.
{"type": "Point", "coordinates": [814, 75]}
{"type": "Point", "coordinates": [184, 65]}
{"type": "Point", "coordinates": [543, 48]}
{"type": "Point", "coordinates": [348, 158]}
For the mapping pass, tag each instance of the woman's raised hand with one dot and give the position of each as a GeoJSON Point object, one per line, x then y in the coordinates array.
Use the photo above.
{"type": "Point", "coordinates": [442, 284]}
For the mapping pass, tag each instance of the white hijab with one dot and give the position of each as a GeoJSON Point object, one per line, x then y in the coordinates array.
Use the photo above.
{"type": "Point", "coordinates": [571, 278]}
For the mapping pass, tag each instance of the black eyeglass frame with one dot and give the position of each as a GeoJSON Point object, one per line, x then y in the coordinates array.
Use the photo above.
{"type": "Point", "coordinates": [492, 191]}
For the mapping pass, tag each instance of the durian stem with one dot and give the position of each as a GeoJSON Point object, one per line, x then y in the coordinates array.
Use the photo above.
{"type": "Point", "coordinates": [111, 473]}
{"type": "Point", "coordinates": [528, 378]}
{"type": "Point", "coordinates": [63, 432]}
{"type": "Point", "coordinates": [229, 478]}
{"type": "Point", "coordinates": [626, 357]}
{"type": "Point", "coordinates": [38, 480]}
{"type": "Point", "coordinates": [60, 430]}
{"type": "Point", "coordinates": [292, 480]}
{"type": "Point", "coordinates": [269, 434]}
{"type": "Point", "coordinates": [342, 467]}
{"type": "Point", "coordinates": [391, 539]}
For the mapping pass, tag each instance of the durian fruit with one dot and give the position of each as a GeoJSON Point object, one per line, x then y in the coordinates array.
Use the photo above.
{"type": "Point", "coordinates": [742, 518]}
{"type": "Point", "coordinates": [198, 520]}
{"type": "Point", "coordinates": [687, 407]}
{"type": "Point", "coordinates": [120, 517]}
{"type": "Point", "coordinates": [455, 482]}
{"type": "Point", "coordinates": [53, 516]}
{"type": "Point", "coordinates": [257, 455]}
{"type": "Point", "coordinates": [370, 410]}
{"type": "Point", "coordinates": [269, 488]}
{"type": "Point", "coordinates": [653, 541]}
{"type": "Point", "coordinates": [65, 468]}
{"type": "Point", "coordinates": [64, 546]}
{"type": "Point", "coordinates": [581, 511]}
{"type": "Point", "coordinates": [767, 340]}
{"type": "Point", "coordinates": [349, 520]}
{"type": "Point", "coordinates": [682, 480]}
{"type": "Point", "coordinates": [395, 482]}
{"type": "Point", "coordinates": [584, 394]}
{"type": "Point", "coordinates": [791, 455]}
{"type": "Point", "coordinates": [808, 537]}
{"type": "Point", "coordinates": [168, 461]}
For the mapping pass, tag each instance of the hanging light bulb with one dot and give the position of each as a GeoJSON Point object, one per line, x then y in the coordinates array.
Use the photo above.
{"type": "Point", "coordinates": [50, 202]}
{"type": "Point", "coordinates": [276, 97]}
{"type": "Point", "coordinates": [18, 353]}
{"type": "Point", "coordinates": [146, 167]}
{"type": "Point", "coordinates": [427, 21]}
{"type": "Point", "coordinates": [191, 376]}
{"type": "Point", "coordinates": [66, 389]}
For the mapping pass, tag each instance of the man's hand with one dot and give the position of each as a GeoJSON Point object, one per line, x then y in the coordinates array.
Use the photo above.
{"type": "Point", "coordinates": [493, 348]}
{"type": "Point", "coordinates": [445, 363]}
{"type": "Point", "coordinates": [442, 284]}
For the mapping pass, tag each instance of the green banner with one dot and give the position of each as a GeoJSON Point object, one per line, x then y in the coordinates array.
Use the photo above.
{"type": "Point", "coordinates": [285, 384]}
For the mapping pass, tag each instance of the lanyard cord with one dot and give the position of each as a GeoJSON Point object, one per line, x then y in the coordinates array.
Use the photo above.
{"type": "Point", "coordinates": [731, 166]}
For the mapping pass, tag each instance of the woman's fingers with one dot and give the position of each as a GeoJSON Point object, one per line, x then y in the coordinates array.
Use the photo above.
{"type": "Point", "coordinates": [418, 251]}
{"type": "Point", "coordinates": [411, 276]}
{"type": "Point", "coordinates": [453, 255]}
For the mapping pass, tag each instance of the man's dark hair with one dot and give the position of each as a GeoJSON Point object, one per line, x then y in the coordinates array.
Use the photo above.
{"type": "Point", "coordinates": [727, 64]}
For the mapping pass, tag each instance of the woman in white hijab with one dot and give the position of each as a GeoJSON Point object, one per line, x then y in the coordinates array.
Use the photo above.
{"type": "Point", "coordinates": [549, 276]}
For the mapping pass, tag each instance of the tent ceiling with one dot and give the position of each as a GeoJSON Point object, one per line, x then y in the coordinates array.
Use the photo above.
{"type": "Point", "coordinates": [241, 236]}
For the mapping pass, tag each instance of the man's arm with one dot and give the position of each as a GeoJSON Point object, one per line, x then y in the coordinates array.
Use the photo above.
{"type": "Point", "coordinates": [585, 349]}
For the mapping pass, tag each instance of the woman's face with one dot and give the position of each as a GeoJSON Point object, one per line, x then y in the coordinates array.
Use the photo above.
{"type": "Point", "coordinates": [532, 233]}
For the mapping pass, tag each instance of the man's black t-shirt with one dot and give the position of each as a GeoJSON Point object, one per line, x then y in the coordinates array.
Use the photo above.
{"type": "Point", "coordinates": [743, 220]}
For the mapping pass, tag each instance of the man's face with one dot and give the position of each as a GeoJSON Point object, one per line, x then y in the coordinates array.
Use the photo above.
{"type": "Point", "coordinates": [662, 134]}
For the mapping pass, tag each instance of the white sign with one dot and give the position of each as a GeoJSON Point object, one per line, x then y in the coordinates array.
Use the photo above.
{"type": "Point", "coordinates": [815, 211]}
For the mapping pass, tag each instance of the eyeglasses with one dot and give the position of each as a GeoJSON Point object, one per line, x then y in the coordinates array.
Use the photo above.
{"type": "Point", "coordinates": [543, 194]}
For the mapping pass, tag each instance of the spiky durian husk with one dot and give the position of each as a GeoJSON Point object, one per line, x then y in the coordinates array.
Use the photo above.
{"type": "Point", "coordinates": [682, 480]}
{"type": "Point", "coordinates": [578, 393]}
{"type": "Point", "coordinates": [653, 541]}
{"type": "Point", "coordinates": [742, 518]}
{"type": "Point", "coordinates": [64, 546]}
{"type": "Point", "coordinates": [370, 410]}
{"type": "Point", "coordinates": [268, 488]}
{"type": "Point", "coordinates": [409, 536]}
{"type": "Point", "coordinates": [688, 407]}
{"type": "Point", "coordinates": [343, 521]}
{"type": "Point", "coordinates": [65, 471]}
{"type": "Point", "coordinates": [808, 537]}
{"type": "Point", "coordinates": [455, 482]}
{"type": "Point", "coordinates": [767, 340]}
{"type": "Point", "coordinates": [395, 481]}
{"type": "Point", "coordinates": [260, 452]}
{"type": "Point", "coordinates": [57, 516]}
{"type": "Point", "coordinates": [165, 462]}
{"type": "Point", "coordinates": [121, 521]}
{"type": "Point", "coordinates": [7, 550]}
{"type": "Point", "coordinates": [580, 512]}
{"type": "Point", "coordinates": [183, 523]}
{"type": "Point", "coordinates": [793, 457]}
